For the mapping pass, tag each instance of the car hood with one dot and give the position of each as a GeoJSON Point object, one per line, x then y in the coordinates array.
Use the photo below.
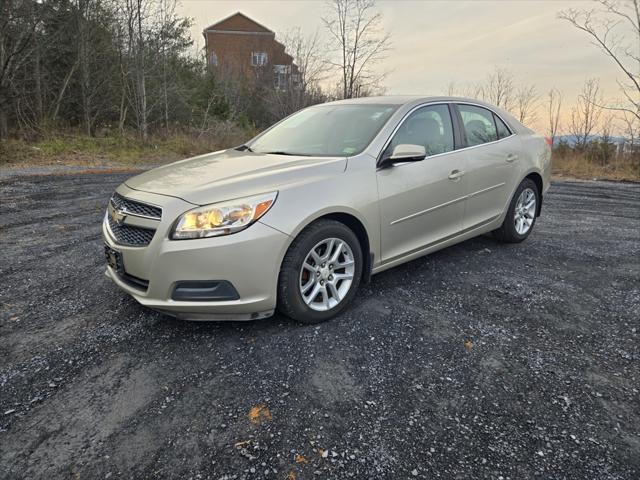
{"type": "Point", "coordinates": [230, 174]}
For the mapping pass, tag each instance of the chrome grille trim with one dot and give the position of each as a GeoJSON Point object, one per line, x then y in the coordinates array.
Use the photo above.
{"type": "Point", "coordinates": [135, 208]}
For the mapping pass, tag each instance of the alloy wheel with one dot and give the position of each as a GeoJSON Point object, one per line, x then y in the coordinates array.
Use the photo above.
{"type": "Point", "coordinates": [327, 274]}
{"type": "Point", "coordinates": [525, 211]}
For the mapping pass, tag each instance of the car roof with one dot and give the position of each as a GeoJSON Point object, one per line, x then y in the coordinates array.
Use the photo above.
{"type": "Point", "coordinates": [404, 99]}
{"type": "Point", "coordinates": [410, 101]}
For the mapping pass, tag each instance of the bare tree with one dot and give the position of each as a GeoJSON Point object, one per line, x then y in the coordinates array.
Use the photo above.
{"type": "Point", "coordinates": [525, 103]}
{"type": "Point", "coordinates": [140, 70]}
{"type": "Point", "coordinates": [18, 25]}
{"type": "Point", "coordinates": [308, 71]}
{"type": "Point", "coordinates": [356, 33]}
{"type": "Point", "coordinates": [631, 131]}
{"type": "Point", "coordinates": [470, 90]}
{"type": "Point", "coordinates": [604, 150]}
{"type": "Point", "coordinates": [167, 39]}
{"type": "Point", "coordinates": [93, 48]}
{"type": "Point", "coordinates": [101, 64]}
{"type": "Point", "coordinates": [307, 55]}
{"type": "Point", "coordinates": [554, 97]}
{"type": "Point", "coordinates": [134, 14]}
{"type": "Point", "coordinates": [167, 13]}
{"type": "Point", "coordinates": [586, 114]}
{"type": "Point", "coordinates": [604, 27]}
{"type": "Point", "coordinates": [498, 88]}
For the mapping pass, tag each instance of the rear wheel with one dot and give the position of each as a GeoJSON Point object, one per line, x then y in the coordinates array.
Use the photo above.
{"type": "Point", "coordinates": [320, 272]}
{"type": "Point", "coordinates": [521, 215]}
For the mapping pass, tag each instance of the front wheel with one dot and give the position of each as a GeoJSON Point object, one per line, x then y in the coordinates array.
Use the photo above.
{"type": "Point", "coordinates": [320, 272]}
{"type": "Point", "coordinates": [521, 215]}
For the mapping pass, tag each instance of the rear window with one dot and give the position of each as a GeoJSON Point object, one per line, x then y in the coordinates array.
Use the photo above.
{"type": "Point", "coordinates": [478, 124]}
{"type": "Point", "coordinates": [503, 130]}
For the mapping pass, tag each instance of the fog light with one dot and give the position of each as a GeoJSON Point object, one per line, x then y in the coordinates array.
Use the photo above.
{"type": "Point", "coordinates": [204, 291]}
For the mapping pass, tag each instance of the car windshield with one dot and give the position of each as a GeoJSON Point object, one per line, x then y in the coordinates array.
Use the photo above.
{"type": "Point", "coordinates": [325, 130]}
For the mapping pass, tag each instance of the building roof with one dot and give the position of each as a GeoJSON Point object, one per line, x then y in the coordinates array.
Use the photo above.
{"type": "Point", "coordinates": [238, 22]}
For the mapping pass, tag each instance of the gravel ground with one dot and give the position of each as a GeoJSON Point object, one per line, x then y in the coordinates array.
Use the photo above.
{"type": "Point", "coordinates": [105, 167]}
{"type": "Point", "coordinates": [483, 360]}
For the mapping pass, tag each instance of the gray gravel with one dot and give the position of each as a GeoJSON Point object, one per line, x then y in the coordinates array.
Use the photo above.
{"type": "Point", "coordinates": [481, 361]}
{"type": "Point", "coordinates": [9, 171]}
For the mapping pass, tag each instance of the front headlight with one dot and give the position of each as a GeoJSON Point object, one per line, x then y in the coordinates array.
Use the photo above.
{"type": "Point", "coordinates": [222, 218]}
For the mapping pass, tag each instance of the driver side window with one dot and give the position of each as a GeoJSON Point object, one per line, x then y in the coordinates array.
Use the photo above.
{"type": "Point", "coordinates": [428, 126]}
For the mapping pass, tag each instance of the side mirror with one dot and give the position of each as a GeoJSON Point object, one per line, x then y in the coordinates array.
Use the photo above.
{"type": "Point", "coordinates": [405, 152]}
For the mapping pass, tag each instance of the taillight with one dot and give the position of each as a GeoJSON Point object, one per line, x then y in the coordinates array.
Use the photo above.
{"type": "Point", "coordinates": [549, 142]}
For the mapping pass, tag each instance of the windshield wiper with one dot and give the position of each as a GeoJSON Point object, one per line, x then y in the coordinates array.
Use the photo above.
{"type": "Point", "coordinates": [243, 148]}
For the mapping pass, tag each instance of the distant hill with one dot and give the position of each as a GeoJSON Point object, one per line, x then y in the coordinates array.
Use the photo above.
{"type": "Point", "coordinates": [571, 140]}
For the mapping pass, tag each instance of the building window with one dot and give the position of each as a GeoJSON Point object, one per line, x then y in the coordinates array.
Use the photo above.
{"type": "Point", "coordinates": [258, 59]}
{"type": "Point", "coordinates": [213, 59]}
{"type": "Point", "coordinates": [282, 76]}
{"type": "Point", "coordinates": [281, 81]}
{"type": "Point", "coordinates": [286, 69]}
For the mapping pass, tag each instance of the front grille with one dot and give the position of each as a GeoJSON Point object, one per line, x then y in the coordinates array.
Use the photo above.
{"type": "Point", "coordinates": [135, 208]}
{"type": "Point", "coordinates": [129, 235]}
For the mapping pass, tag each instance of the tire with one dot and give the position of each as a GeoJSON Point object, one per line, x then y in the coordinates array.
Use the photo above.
{"type": "Point", "coordinates": [293, 279]}
{"type": "Point", "coordinates": [511, 231]}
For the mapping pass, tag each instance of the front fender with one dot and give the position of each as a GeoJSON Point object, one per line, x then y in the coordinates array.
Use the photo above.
{"type": "Point", "coordinates": [353, 192]}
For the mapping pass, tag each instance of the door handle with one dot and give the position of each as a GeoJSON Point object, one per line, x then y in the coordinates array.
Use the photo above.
{"type": "Point", "coordinates": [456, 174]}
{"type": "Point", "coordinates": [512, 157]}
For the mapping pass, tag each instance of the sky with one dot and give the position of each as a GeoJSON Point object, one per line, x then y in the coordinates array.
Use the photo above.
{"type": "Point", "coordinates": [435, 43]}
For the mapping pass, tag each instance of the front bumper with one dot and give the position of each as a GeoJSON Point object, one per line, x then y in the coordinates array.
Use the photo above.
{"type": "Point", "coordinates": [249, 260]}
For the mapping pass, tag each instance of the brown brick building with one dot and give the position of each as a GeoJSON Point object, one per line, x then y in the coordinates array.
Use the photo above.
{"type": "Point", "coordinates": [239, 47]}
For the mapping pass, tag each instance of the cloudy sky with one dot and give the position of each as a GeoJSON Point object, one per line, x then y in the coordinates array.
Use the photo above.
{"type": "Point", "coordinates": [438, 42]}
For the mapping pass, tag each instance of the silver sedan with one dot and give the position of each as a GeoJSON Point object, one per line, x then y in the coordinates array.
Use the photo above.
{"type": "Point", "coordinates": [296, 218]}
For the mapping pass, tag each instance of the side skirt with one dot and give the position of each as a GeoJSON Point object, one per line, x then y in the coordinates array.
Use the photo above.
{"type": "Point", "coordinates": [466, 234]}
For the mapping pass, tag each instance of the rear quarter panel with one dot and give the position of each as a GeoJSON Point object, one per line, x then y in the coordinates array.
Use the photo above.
{"type": "Point", "coordinates": [537, 154]}
{"type": "Point", "coordinates": [535, 151]}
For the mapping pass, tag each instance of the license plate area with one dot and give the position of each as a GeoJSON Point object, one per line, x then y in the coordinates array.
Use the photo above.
{"type": "Point", "coordinates": [114, 259]}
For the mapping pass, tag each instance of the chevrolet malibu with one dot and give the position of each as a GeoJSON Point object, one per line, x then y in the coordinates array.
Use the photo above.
{"type": "Point", "coordinates": [296, 218]}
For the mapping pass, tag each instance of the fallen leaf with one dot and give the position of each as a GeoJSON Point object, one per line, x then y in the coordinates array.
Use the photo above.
{"type": "Point", "coordinates": [468, 344]}
{"type": "Point", "coordinates": [301, 459]}
{"type": "Point", "coordinates": [291, 475]}
{"type": "Point", "coordinates": [259, 413]}
{"type": "Point", "coordinates": [241, 444]}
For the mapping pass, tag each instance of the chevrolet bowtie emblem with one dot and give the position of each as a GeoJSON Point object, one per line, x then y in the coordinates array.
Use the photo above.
{"type": "Point", "coordinates": [118, 216]}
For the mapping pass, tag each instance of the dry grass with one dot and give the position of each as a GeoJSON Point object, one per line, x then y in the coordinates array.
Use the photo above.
{"type": "Point", "coordinates": [69, 148]}
{"type": "Point", "coordinates": [129, 152]}
{"type": "Point", "coordinates": [578, 166]}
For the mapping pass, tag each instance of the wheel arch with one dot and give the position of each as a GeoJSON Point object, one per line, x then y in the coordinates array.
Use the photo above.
{"type": "Point", "coordinates": [537, 179]}
{"type": "Point", "coordinates": [357, 227]}
{"type": "Point", "coordinates": [354, 223]}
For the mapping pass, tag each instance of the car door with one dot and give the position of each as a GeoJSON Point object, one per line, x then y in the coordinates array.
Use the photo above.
{"type": "Point", "coordinates": [422, 202]}
{"type": "Point", "coordinates": [491, 164]}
